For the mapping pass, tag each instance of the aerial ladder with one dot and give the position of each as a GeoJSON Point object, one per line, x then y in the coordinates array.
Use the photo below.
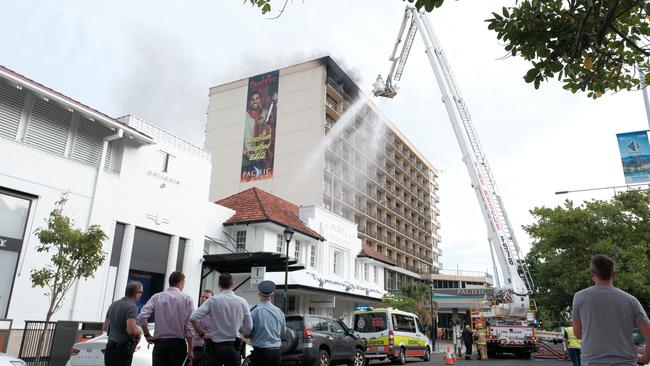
{"type": "Point", "coordinates": [516, 286]}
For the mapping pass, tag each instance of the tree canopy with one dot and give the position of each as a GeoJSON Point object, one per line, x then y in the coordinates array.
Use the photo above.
{"type": "Point", "coordinates": [592, 46]}
{"type": "Point", "coordinates": [413, 297]}
{"type": "Point", "coordinates": [566, 237]}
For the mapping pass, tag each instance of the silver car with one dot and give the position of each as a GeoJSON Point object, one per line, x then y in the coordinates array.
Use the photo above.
{"type": "Point", "coordinates": [6, 360]}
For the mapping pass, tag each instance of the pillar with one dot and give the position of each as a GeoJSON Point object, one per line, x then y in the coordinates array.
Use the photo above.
{"type": "Point", "coordinates": [122, 277]}
{"type": "Point", "coordinates": [172, 256]}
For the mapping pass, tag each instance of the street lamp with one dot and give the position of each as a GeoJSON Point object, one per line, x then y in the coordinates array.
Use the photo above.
{"type": "Point", "coordinates": [288, 235]}
{"type": "Point", "coordinates": [434, 328]}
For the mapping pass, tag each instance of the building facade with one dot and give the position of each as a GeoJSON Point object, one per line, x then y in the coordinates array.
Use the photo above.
{"type": "Point", "coordinates": [307, 133]}
{"type": "Point", "coordinates": [143, 186]}
{"type": "Point", "coordinates": [330, 274]}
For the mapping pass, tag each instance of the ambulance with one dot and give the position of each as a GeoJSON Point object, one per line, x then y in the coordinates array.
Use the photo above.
{"type": "Point", "coordinates": [393, 334]}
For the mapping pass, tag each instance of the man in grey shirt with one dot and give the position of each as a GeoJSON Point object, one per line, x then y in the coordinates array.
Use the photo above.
{"type": "Point", "coordinates": [230, 317]}
{"type": "Point", "coordinates": [123, 333]}
{"type": "Point", "coordinates": [604, 316]}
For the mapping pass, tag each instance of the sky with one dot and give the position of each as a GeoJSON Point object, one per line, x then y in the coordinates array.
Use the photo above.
{"type": "Point", "coordinates": [157, 59]}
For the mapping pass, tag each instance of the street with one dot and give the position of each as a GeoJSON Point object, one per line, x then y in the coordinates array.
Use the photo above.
{"type": "Point", "coordinates": [438, 359]}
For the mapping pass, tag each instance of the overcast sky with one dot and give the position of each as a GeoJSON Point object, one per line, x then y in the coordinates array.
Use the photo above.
{"type": "Point", "coordinates": [157, 59]}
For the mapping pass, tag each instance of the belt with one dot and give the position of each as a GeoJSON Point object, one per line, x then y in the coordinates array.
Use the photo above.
{"type": "Point", "coordinates": [227, 343]}
{"type": "Point", "coordinates": [169, 340]}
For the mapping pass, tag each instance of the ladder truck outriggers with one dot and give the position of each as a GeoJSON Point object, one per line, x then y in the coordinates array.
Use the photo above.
{"type": "Point", "coordinates": [509, 313]}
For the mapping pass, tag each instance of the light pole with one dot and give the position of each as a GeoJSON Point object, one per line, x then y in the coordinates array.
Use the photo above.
{"type": "Point", "coordinates": [434, 330]}
{"type": "Point", "coordinates": [288, 234]}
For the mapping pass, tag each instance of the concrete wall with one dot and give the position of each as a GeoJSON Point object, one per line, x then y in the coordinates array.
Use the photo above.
{"type": "Point", "coordinates": [299, 131]}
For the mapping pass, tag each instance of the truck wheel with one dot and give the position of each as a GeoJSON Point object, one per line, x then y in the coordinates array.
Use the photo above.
{"type": "Point", "coordinates": [525, 355]}
{"type": "Point", "coordinates": [427, 355]}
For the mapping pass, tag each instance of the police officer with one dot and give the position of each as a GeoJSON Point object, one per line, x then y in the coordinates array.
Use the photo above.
{"type": "Point", "coordinates": [268, 325]}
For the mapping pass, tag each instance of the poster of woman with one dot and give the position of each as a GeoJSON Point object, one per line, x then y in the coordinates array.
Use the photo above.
{"type": "Point", "coordinates": [260, 122]}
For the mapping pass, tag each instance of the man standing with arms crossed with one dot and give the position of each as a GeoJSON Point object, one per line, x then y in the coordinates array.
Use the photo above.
{"type": "Point", "coordinates": [230, 317]}
{"type": "Point", "coordinates": [198, 343]}
{"type": "Point", "coordinates": [123, 332]}
{"type": "Point", "coordinates": [268, 325]}
{"type": "Point", "coordinates": [173, 332]}
{"type": "Point", "coordinates": [603, 318]}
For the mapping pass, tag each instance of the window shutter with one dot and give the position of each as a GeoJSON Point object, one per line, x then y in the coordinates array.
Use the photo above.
{"type": "Point", "coordinates": [48, 127]}
{"type": "Point", "coordinates": [11, 107]}
{"type": "Point", "coordinates": [88, 142]}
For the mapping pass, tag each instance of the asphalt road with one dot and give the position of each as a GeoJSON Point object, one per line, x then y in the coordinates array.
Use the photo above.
{"type": "Point", "coordinates": [438, 359]}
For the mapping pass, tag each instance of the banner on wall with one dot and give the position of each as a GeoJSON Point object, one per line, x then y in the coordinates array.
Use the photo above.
{"type": "Point", "coordinates": [635, 156]}
{"type": "Point", "coordinates": [260, 123]}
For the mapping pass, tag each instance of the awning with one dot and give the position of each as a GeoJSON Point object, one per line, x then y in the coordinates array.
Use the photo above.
{"type": "Point", "coordinates": [308, 279]}
{"type": "Point", "coordinates": [243, 262]}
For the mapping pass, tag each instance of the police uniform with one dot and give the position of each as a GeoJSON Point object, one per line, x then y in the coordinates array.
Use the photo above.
{"type": "Point", "coordinates": [268, 325]}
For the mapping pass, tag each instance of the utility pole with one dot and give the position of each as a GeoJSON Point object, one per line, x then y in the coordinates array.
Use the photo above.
{"type": "Point", "coordinates": [646, 102]}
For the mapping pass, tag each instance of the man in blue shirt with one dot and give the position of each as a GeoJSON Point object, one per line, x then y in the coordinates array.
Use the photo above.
{"type": "Point", "coordinates": [268, 325]}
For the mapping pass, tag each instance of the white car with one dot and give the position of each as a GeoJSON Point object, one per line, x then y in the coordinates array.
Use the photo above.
{"type": "Point", "coordinates": [91, 353]}
{"type": "Point", "coordinates": [6, 360]}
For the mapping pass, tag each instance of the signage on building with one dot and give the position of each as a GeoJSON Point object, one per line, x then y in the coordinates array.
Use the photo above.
{"type": "Point", "coordinates": [342, 285]}
{"type": "Point", "coordinates": [635, 156]}
{"type": "Point", "coordinates": [257, 276]}
{"type": "Point", "coordinates": [260, 124]}
{"type": "Point", "coordinates": [10, 244]}
{"type": "Point", "coordinates": [324, 302]}
{"type": "Point", "coordinates": [336, 232]}
{"type": "Point", "coordinates": [166, 178]}
{"type": "Point", "coordinates": [465, 291]}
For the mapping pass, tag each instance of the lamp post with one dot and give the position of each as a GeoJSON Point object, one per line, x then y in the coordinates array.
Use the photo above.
{"type": "Point", "coordinates": [434, 330]}
{"type": "Point", "coordinates": [288, 235]}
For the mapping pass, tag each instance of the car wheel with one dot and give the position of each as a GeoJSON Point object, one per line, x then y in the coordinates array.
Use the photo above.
{"type": "Point", "coordinates": [401, 357]}
{"type": "Point", "coordinates": [247, 361]}
{"type": "Point", "coordinates": [359, 358]}
{"type": "Point", "coordinates": [323, 358]}
{"type": "Point", "coordinates": [427, 355]}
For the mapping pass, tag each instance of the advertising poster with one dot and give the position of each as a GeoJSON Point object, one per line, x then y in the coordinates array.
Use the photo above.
{"type": "Point", "coordinates": [260, 122]}
{"type": "Point", "coordinates": [635, 156]}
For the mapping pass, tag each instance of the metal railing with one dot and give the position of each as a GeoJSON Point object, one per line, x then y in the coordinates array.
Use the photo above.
{"type": "Point", "coordinates": [29, 347]}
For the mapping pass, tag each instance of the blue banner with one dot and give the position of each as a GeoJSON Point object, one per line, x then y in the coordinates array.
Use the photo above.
{"type": "Point", "coordinates": [635, 156]}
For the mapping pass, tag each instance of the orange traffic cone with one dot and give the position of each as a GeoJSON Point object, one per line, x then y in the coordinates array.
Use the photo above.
{"type": "Point", "coordinates": [449, 358]}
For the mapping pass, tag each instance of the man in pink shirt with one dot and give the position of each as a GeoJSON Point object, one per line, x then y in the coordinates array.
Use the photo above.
{"type": "Point", "coordinates": [173, 331]}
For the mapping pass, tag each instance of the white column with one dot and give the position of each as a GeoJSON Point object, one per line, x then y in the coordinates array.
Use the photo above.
{"type": "Point", "coordinates": [191, 268]}
{"type": "Point", "coordinates": [172, 256]}
{"type": "Point", "coordinates": [125, 262]}
{"type": "Point", "coordinates": [187, 257]}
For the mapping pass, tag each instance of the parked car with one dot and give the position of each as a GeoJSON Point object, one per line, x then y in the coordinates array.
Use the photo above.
{"type": "Point", "coordinates": [319, 341]}
{"type": "Point", "coordinates": [6, 360]}
{"type": "Point", "coordinates": [91, 353]}
{"type": "Point", "coordinates": [393, 334]}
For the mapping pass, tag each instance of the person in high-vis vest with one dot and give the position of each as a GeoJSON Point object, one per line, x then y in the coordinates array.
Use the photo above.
{"type": "Point", "coordinates": [573, 345]}
{"type": "Point", "coordinates": [481, 341]}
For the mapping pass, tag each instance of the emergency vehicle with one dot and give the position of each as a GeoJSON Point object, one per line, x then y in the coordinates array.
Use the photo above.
{"type": "Point", "coordinates": [391, 333]}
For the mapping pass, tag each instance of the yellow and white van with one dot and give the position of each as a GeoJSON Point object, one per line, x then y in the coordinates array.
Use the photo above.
{"type": "Point", "coordinates": [393, 334]}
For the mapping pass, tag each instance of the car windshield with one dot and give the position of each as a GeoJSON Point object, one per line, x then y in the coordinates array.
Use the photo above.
{"type": "Point", "coordinates": [370, 322]}
{"type": "Point", "coordinates": [295, 324]}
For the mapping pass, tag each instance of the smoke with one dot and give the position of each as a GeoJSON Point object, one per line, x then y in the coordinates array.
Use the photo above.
{"type": "Point", "coordinates": [163, 85]}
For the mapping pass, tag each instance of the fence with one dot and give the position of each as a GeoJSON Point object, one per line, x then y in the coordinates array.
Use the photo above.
{"type": "Point", "coordinates": [29, 348]}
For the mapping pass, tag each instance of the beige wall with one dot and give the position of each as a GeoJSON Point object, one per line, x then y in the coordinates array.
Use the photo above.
{"type": "Point", "coordinates": [298, 168]}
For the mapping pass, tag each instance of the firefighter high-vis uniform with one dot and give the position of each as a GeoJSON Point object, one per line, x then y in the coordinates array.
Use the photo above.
{"type": "Point", "coordinates": [572, 341]}
{"type": "Point", "coordinates": [481, 341]}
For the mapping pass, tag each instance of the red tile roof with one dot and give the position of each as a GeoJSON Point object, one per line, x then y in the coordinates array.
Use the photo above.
{"type": "Point", "coordinates": [255, 205]}
{"type": "Point", "coordinates": [367, 251]}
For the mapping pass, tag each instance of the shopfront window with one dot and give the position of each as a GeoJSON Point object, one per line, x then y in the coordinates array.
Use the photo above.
{"type": "Point", "coordinates": [14, 212]}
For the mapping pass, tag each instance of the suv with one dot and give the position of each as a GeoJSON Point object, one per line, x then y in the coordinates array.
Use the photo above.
{"type": "Point", "coordinates": [319, 341]}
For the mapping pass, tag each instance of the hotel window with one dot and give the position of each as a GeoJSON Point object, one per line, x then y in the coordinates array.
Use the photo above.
{"type": "Point", "coordinates": [337, 262]}
{"type": "Point", "coordinates": [312, 256]}
{"type": "Point", "coordinates": [376, 275]}
{"type": "Point", "coordinates": [296, 253]}
{"type": "Point", "coordinates": [241, 241]}
{"type": "Point", "coordinates": [366, 272]}
{"type": "Point", "coordinates": [280, 244]}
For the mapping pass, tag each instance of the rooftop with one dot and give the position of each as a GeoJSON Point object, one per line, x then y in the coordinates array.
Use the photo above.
{"type": "Point", "coordinates": [367, 251]}
{"type": "Point", "coordinates": [256, 206]}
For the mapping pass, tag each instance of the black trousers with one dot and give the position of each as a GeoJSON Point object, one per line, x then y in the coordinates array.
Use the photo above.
{"type": "Point", "coordinates": [224, 354]}
{"type": "Point", "coordinates": [468, 348]}
{"type": "Point", "coordinates": [199, 356]}
{"type": "Point", "coordinates": [266, 357]}
{"type": "Point", "coordinates": [117, 354]}
{"type": "Point", "coordinates": [169, 352]}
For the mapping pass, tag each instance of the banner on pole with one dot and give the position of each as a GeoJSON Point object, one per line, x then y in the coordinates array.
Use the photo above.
{"type": "Point", "coordinates": [635, 156]}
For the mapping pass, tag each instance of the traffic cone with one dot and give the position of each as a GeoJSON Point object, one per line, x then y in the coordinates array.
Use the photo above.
{"type": "Point", "coordinates": [449, 358]}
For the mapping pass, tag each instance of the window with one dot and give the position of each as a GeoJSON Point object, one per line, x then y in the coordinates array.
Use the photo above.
{"type": "Point", "coordinates": [166, 161]}
{"type": "Point", "coordinates": [370, 322]}
{"type": "Point", "coordinates": [296, 253]}
{"type": "Point", "coordinates": [280, 244]}
{"type": "Point", "coordinates": [335, 259]}
{"type": "Point", "coordinates": [312, 257]}
{"type": "Point", "coordinates": [318, 324]}
{"type": "Point", "coordinates": [403, 323]}
{"type": "Point", "coordinates": [366, 272]}
{"type": "Point", "coordinates": [241, 241]}
{"type": "Point", "coordinates": [376, 275]}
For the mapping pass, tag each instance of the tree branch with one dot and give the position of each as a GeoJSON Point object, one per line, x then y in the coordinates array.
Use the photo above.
{"type": "Point", "coordinates": [281, 11]}
{"type": "Point", "coordinates": [625, 38]}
